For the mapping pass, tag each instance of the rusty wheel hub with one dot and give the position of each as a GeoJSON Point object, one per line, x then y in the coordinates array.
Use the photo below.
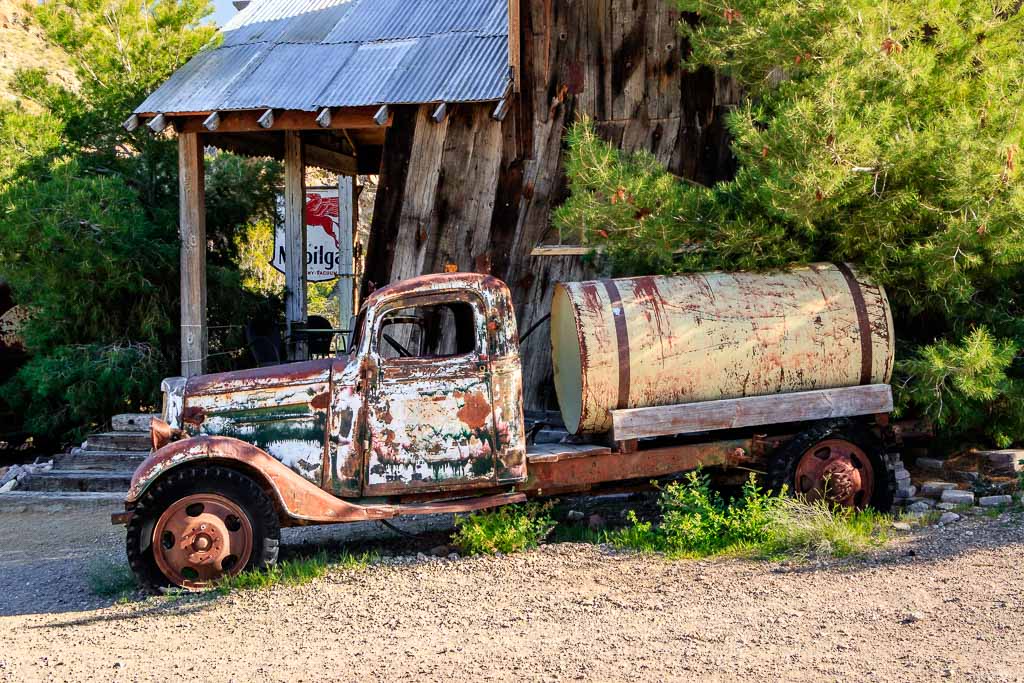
{"type": "Point", "coordinates": [201, 538]}
{"type": "Point", "coordinates": [837, 470]}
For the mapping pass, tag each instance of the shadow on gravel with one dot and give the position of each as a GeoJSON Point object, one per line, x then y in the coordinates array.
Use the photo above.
{"type": "Point", "coordinates": [49, 573]}
{"type": "Point", "coordinates": [924, 546]}
{"type": "Point", "coordinates": [52, 564]}
{"type": "Point", "coordinates": [153, 606]}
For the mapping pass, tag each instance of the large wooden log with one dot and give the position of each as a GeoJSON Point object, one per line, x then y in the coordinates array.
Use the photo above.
{"type": "Point", "coordinates": [192, 230]}
{"type": "Point", "coordinates": [479, 193]}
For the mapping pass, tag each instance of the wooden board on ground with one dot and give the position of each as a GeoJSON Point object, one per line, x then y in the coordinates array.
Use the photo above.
{"type": "Point", "coordinates": [131, 422]}
{"type": "Point", "coordinates": [752, 411]}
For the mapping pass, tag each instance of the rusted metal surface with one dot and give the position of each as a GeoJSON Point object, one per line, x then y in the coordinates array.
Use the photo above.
{"type": "Point", "coordinates": [837, 470]}
{"type": "Point", "coordinates": [296, 497]}
{"type": "Point", "coordinates": [563, 474]}
{"type": "Point", "coordinates": [652, 341]}
{"type": "Point", "coordinates": [160, 433]}
{"type": "Point", "coordinates": [298, 501]}
{"type": "Point", "coordinates": [443, 422]}
{"type": "Point", "coordinates": [282, 410]}
{"type": "Point", "coordinates": [200, 539]}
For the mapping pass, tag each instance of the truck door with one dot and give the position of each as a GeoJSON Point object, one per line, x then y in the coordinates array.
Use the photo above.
{"type": "Point", "coordinates": [431, 425]}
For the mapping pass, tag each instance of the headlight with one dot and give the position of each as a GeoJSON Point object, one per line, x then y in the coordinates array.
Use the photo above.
{"type": "Point", "coordinates": [174, 400]}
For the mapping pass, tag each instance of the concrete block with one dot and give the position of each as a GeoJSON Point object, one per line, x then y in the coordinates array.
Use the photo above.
{"type": "Point", "coordinates": [994, 501]}
{"type": "Point", "coordinates": [934, 489]}
{"type": "Point", "coordinates": [933, 464]}
{"type": "Point", "coordinates": [958, 497]}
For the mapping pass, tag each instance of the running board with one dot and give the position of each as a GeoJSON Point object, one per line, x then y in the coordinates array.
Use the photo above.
{"type": "Point", "coordinates": [460, 505]}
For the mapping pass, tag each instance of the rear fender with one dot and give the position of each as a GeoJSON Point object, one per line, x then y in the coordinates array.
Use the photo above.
{"type": "Point", "coordinates": [295, 497]}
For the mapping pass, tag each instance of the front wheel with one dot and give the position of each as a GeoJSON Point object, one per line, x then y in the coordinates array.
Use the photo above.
{"type": "Point", "coordinates": [839, 461]}
{"type": "Point", "coordinates": [200, 524]}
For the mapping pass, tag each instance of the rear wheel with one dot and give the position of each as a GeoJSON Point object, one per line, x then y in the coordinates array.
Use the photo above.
{"type": "Point", "coordinates": [839, 461]}
{"type": "Point", "coordinates": [200, 524]}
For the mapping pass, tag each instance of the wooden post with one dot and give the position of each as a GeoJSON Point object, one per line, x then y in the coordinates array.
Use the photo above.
{"type": "Point", "coordinates": [295, 243]}
{"type": "Point", "coordinates": [514, 46]}
{"type": "Point", "coordinates": [346, 272]}
{"type": "Point", "coordinates": [192, 200]}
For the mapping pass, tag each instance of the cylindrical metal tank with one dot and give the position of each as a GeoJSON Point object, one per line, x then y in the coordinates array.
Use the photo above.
{"type": "Point", "coordinates": [648, 341]}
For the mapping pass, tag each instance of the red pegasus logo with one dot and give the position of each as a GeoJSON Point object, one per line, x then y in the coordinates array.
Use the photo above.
{"type": "Point", "coordinates": [322, 211]}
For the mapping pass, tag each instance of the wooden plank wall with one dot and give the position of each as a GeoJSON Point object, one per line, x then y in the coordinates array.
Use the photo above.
{"type": "Point", "coordinates": [479, 193]}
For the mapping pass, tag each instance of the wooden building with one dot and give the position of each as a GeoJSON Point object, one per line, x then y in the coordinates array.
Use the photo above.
{"type": "Point", "coordinates": [460, 107]}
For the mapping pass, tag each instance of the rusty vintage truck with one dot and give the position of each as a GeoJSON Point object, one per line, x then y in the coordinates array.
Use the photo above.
{"type": "Point", "coordinates": [783, 373]}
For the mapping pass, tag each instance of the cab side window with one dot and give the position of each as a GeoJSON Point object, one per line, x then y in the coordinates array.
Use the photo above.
{"type": "Point", "coordinates": [434, 331]}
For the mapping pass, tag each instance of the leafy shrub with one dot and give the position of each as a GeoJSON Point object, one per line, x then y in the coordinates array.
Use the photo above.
{"type": "Point", "coordinates": [697, 521]}
{"type": "Point", "coordinates": [73, 389]}
{"type": "Point", "coordinates": [508, 529]}
{"type": "Point", "coordinates": [966, 387]}
{"type": "Point", "coordinates": [883, 134]}
{"type": "Point", "coordinates": [88, 217]}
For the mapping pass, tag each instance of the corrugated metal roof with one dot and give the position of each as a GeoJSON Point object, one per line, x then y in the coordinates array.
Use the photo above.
{"type": "Point", "coordinates": [307, 54]}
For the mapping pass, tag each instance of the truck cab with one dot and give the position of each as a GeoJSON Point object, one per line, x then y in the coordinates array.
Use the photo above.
{"type": "Point", "coordinates": [428, 399]}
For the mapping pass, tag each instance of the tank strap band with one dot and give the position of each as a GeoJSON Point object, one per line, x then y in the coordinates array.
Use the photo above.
{"type": "Point", "coordinates": [621, 341]}
{"type": "Point", "coordinates": [863, 323]}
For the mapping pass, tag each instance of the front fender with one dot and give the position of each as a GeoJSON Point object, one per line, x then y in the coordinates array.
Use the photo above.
{"type": "Point", "coordinates": [294, 496]}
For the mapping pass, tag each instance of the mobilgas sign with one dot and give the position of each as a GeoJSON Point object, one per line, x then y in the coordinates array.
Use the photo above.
{"type": "Point", "coordinates": [321, 236]}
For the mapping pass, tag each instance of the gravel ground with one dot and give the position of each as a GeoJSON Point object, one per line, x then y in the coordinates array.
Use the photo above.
{"type": "Point", "coordinates": [940, 603]}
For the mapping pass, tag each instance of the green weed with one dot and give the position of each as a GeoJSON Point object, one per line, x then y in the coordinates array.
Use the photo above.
{"type": "Point", "coordinates": [296, 571]}
{"type": "Point", "coordinates": [507, 530]}
{"type": "Point", "coordinates": [577, 533]}
{"type": "Point", "coordinates": [697, 521]}
{"type": "Point", "coordinates": [111, 579]}
{"type": "Point", "coordinates": [797, 527]}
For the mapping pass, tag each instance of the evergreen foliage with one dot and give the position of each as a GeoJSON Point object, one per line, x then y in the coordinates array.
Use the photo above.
{"type": "Point", "coordinates": [89, 211]}
{"type": "Point", "coordinates": [884, 134]}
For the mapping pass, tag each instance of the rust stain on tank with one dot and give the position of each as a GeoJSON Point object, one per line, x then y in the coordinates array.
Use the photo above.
{"type": "Point", "coordinates": [321, 401]}
{"type": "Point", "coordinates": [652, 303]}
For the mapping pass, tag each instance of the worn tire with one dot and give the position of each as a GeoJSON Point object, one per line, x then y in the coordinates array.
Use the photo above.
{"type": "Point", "coordinates": [783, 462]}
{"type": "Point", "coordinates": [190, 480]}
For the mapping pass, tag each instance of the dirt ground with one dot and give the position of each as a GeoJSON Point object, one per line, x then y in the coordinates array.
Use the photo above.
{"type": "Point", "coordinates": [943, 603]}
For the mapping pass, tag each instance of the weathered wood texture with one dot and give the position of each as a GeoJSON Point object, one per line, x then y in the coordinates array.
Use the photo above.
{"type": "Point", "coordinates": [192, 230]}
{"type": "Point", "coordinates": [752, 411]}
{"type": "Point", "coordinates": [295, 240]}
{"type": "Point", "coordinates": [479, 193]}
{"type": "Point", "coordinates": [346, 229]}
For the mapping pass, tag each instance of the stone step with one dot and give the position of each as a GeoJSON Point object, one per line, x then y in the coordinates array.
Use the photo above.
{"type": "Point", "coordinates": [1007, 462]}
{"type": "Point", "coordinates": [77, 480]}
{"type": "Point", "coordinates": [106, 461]}
{"type": "Point", "coordinates": [131, 422]}
{"type": "Point", "coordinates": [117, 441]}
{"type": "Point", "coordinates": [50, 501]}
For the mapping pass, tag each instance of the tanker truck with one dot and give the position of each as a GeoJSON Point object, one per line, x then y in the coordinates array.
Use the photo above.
{"type": "Point", "coordinates": [782, 373]}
